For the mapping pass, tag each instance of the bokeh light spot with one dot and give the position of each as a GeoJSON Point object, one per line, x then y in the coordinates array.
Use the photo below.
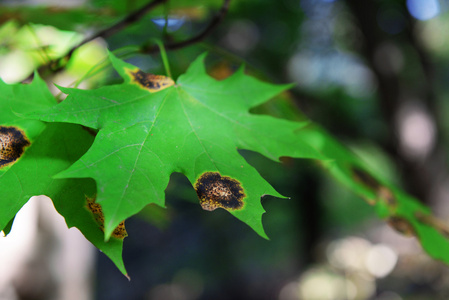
{"type": "Point", "coordinates": [381, 260]}
{"type": "Point", "coordinates": [423, 9]}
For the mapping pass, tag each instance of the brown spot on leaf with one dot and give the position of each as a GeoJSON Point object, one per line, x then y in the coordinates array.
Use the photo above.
{"type": "Point", "coordinates": [216, 191]}
{"type": "Point", "coordinates": [401, 225]}
{"type": "Point", "coordinates": [13, 142]}
{"type": "Point", "coordinates": [365, 178]}
{"type": "Point", "coordinates": [383, 193]}
{"type": "Point", "coordinates": [386, 195]}
{"type": "Point", "coordinates": [95, 208]}
{"type": "Point", "coordinates": [151, 82]}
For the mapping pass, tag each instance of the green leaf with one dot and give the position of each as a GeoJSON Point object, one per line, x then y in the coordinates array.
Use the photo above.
{"type": "Point", "coordinates": [194, 127]}
{"type": "Point", "coordinates": [404, 213]}
{"type": "Point", "coordinates": [150, 128]}
{"type": "Point", "coordinates": [31, 153]}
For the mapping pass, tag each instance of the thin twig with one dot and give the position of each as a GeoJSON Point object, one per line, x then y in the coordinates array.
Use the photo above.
{"type": "Point", "coordinates": [133, 17]}
{"type": "Point", "coordinates": [56, 64]}
{"type": "Point", "coordinates": [197, 38]}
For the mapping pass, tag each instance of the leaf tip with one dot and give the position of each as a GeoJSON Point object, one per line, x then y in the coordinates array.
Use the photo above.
{"type": "Point", "coordinates": [36, 76]}
{"type": "Point", "coordinates": [203, 56]}
{"type": "Point", "coordinates": [60, 175]}
{"type": "Point", "coordinates": [107, 234]}
{"type": "Point", "coordinates": [258, 228]}
{"type": "Point", "coordinates": [241, 69]}
{"type": "Point", "coordinates": [117, 231]}
{"type": "Point", "coordinates": [121, 66]}
{"type": "Point", "coordinates": [112, 56]}
{"type": "Point", "coordinates": [62, 88]}
{"type": "Point", "coordinates": [197, 67]}
{"type": "Point", "coordinates": [264, 235]}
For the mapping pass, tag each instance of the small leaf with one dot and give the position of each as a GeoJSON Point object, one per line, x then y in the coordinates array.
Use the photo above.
{"type": "Point", "coordinates": [404, 213]}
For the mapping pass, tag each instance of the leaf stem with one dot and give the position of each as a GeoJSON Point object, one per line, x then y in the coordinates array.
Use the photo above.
{"type": "Point", "coordinates": [166, 12]}
{"type": "Point", "coordinates": [133, 17]}
{"type": "Point", "coordinates": [218, 18]}
{"type": "Point", "coordinates": [163, 56]}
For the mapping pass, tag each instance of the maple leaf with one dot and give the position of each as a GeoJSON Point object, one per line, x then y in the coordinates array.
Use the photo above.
{"type": "Point", "coordinates": [32, 152]}
{"type": "Point", "coordinates": [150, 127]}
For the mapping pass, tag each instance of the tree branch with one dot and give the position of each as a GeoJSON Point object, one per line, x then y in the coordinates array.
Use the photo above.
{"type": "Point", "coordinates": [197, 38]}
{"type": "Point", "coordinates": [55, 65]}
{"type": "Point", "coordinates": [133, 17]}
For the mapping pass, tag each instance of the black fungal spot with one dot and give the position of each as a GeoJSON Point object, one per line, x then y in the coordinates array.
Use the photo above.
{"type": "Point", "coordinates": [215, 191]}
{"type": "Point", "coordinates": [12, 145]}
{"type": "Point", "coordinates": [152, 82]}
{"type": "Point", "coordinates": [402, 226]}
{"type": "Point", "coordinates": [386, 195]}
{"type": "Point", "coordinates": [365, 178]}
{"type": "Point", "coordinates": [383, 193]}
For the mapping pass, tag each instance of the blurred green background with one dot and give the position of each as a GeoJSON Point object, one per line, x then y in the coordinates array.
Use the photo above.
{"type": "Point", "coordinates": [371, 72]}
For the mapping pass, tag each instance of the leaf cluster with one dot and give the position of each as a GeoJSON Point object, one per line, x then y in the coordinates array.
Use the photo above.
{"type": "Point", "coordinates": [102, 155]}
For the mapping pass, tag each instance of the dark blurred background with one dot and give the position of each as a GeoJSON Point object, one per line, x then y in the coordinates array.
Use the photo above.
{"type": "Point", "coordinates": [372, 72]}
